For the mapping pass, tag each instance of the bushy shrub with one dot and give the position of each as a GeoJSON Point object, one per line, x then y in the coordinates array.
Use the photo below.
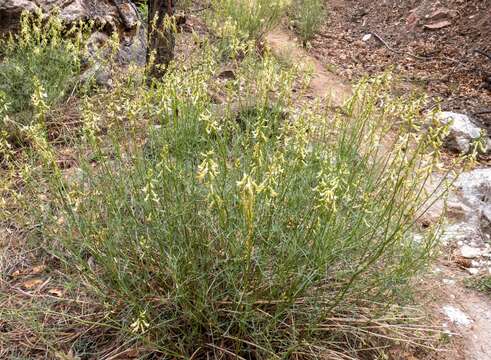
{"type": "Point", "coordinates": [256, 231]}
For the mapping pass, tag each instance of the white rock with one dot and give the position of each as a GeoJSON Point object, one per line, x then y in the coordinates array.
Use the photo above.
{"type": "Point", "coordinates": [462, 131]}
{"type": "Point", "coordinates": [473, 271]}
{"type": "Point", "coordinates": [470, 252]}
{"type": "Point", "coordinates": [485, 220]}
{"type": "Point", "coordinates": [474, 191]}
{"type": "Point", "coordinates": [367, 37]}
{"type": "Point", "coordinates": [456, 316]}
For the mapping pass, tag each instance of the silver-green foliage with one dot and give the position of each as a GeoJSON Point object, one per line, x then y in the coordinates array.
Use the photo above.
{"type": "Point", "coordinates": [246, 230]}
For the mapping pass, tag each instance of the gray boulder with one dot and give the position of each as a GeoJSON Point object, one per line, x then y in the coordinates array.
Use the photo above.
{"type": "Point", "coordinates": [103, 12]}
{"type": "Point", "coordinates": [462, 131]}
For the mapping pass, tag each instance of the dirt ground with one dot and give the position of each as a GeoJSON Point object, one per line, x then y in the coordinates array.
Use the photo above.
{"type": "Point", "coordinates": [366, 37]}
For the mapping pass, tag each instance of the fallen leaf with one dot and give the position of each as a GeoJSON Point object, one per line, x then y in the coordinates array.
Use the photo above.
{"type": "Point", "coordinates": [438, 25]}
{"type": "Point", "coordinates": [31, 283]}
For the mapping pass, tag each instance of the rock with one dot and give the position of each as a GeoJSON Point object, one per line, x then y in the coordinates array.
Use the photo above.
{"type": "Point", "coordinates": [456, 316]}
{"type": "Point", "coordinates": [97, 40]}
{"type": "Point", "coordinates": [462, 131]}
{"type": "Point", "coordinates": [456, 211]}
{"type": "Point", "coordinates": [485, 220]}
{"type": "Point", "coordinates": [128, 13]}
{"type": "Point", "coordinates": [470, 230]}
{"type": "Point", "coordinates": [10, 11]}
{"type": "Point", "coordinates": [473, 271]}
{"type": "Point", "coordinates": [69, 10]}
{"type": "Point", "coordinates": [474, 189]}
{"type": "Point", "coordinates": [448, 281]}
{"type": "Point", "coordinates": [133, 48]}
{"type": "Point", "coordinates": [366, 37]}
{"type": "Point", "coordinates": [470, 252]}
{"type": "Point", "coordinates": [95, 69]}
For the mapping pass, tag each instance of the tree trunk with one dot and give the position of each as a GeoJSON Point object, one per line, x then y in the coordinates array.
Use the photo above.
{"type": "Point", "coordinates": [161, 40]}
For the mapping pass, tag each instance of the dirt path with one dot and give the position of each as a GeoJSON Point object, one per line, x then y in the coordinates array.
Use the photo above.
{"type": "Point", "coordinates": [324, 85]}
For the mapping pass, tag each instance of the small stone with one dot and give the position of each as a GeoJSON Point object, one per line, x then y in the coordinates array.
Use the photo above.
{"type": "Point", "coordinates": [473, 271]}
{"type": "Point", "coordinates": [367, 37]}
{"type": "Point", "coordinates": [469, 252]}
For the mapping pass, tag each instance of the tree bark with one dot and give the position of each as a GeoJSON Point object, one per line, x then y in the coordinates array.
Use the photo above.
{"type": "Point", "coordinates": [161, 38]}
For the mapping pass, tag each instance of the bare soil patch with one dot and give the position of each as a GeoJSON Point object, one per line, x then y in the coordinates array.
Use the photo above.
{"type": "Point", "coordinates": [324, 84]}
{"type": "Point", "coordinates": [429, 44]}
